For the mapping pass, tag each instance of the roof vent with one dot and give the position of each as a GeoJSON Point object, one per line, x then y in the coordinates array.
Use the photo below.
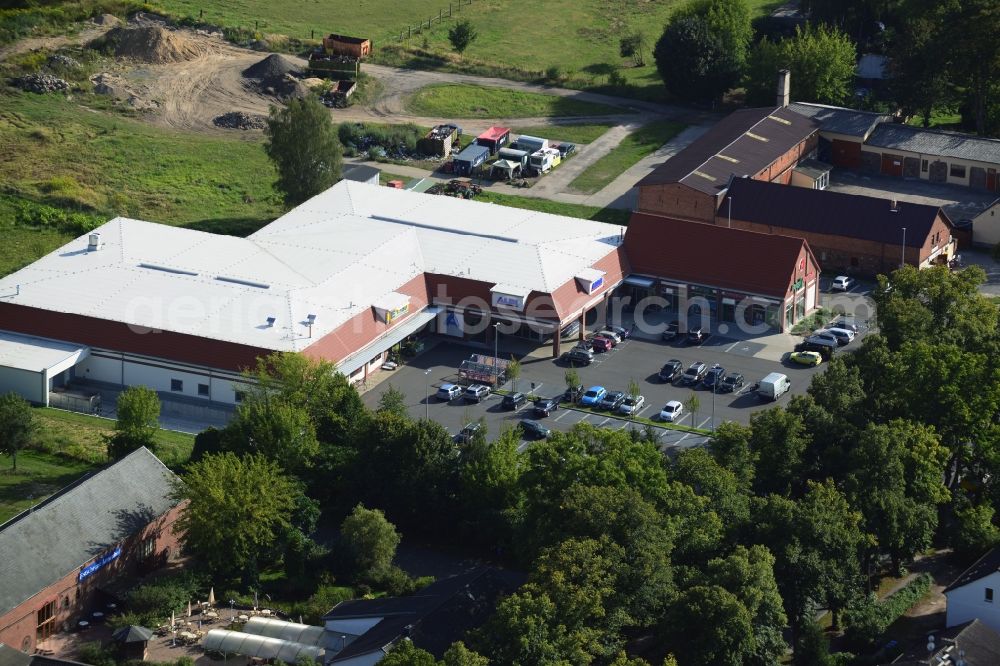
{"type": "Point", "coordinates": [894, 206]}
{"type": "Point", "coordinates": [94, 242]}
{"type": "Point", "coordinates": [270, 322]}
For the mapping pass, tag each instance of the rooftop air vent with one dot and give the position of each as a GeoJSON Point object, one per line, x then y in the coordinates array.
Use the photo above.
{"type": "Point", "coordinates": [270, 321]}
{"type": "Point", "coordinates": [94, 242]}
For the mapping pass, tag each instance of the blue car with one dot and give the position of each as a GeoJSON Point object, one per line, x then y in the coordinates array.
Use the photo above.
{"type": "Point", "coordinates": [592, 396]}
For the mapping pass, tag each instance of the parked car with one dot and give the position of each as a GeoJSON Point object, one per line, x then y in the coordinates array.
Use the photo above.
{"type": "Point", "coordinates": [477, 393]}
{"type": "Point", "coordinates": [612, 400]}
{"type": "Point", "coordinates": [810, 358]}
{"type": "Point", "coordinates": [712, 377]}
{"type": "Point", "coordinates": [570, 329]}
{"type": "Point", "coordinates": [448, 392]}
{"type": "Point", "coordinates": [565, 149]}
{"type": "Point", "coordinates": [587, 345]}
{"type": "Point", "coordinates": [823, 338]}
{"type": "Point", "coordinates": [602, 344]}
{"type": "Point", "coordinates": [731, 383]}
{"type": "Point", "coordinates": [468, 432]}
{"type": "Point", "coordinates": [671, 370]}
{"type": "Point", "coordinates": [848, 324]}
{"type": "Point", "coordinates": [843, 335]}
{"type": "Point", "coordinates": [842, 283]}
{"type": "Point", "coordinates": [632, 404]}
{"type": "Point", "coordinates": [573, 393]}
{"type": "Point", "coordinates": [611, 335]}
{"type": "Point", "coordinates": [694, 374]}
{"type": "Point", "coordinates": [545, 406]}
{"type": "Point", "coordinates": [577, 356]}
{"type": "Point", "coordinates": [671, 331]}
{"type": "Point", "coordinates": [696, 336]}
{"type": "Point", "coordinates": [671, 411]}
{"type": "Point", "coordinates": [623, 333]}
{"type": "Point", "coordinates": [514, 401]}
{"type": "Point", "coordinates": [773, 386]}
{"type": "Point", "coordinates": [534, 429]}
{"type": "Point", "coordinates": [592, 396]}
{"type": "Point", "coordinates": [822, 347]}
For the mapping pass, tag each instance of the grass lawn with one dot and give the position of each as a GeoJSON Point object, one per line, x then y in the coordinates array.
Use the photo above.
{"type": "Point", "coordinates": [938, 119]}
{"type": "Point", "coordinates": [611, 215]}
{"type": "Point", "coordinates": [570, 133]}
{"type": "Point", "coordinates": [468, 101]}
{"type": "Point", "coordinates": [80, 436]}
{"type": "Point", "coordinates": [38, 476]}
{"type": "Point", "coordinates": [633, 148]}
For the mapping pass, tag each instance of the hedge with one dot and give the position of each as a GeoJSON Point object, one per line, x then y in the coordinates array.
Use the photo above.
{"type": "Point", "coordinates": [868, 619]}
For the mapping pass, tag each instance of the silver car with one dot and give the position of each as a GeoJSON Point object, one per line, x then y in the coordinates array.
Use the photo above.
{"type": "Point", "coordinates": [844, 336]}
{"type": "Point", "coordinates": [632, 405]}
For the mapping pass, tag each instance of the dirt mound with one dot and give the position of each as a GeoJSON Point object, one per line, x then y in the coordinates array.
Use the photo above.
{"type": "Point", "coordinates": [153, 44]}
{"type": "Point", "coordinates": [241, 121]}
{"type": "Point", "coordinates": [283, 87]}
{"type": "Point", "coordinates": [107, 19]}
{"type": "Point", "coordinates": [271, 66]}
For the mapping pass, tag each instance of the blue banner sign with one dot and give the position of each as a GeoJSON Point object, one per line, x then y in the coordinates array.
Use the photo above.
{"type": "Point", "coordinates": [99, 563]}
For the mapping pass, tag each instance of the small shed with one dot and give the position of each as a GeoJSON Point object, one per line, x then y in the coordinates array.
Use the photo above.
{"type": "Point", "coordinates": [514, 155]}
{"type": "Point", "coordinates": [471, 159]}
{"type": "Point", "coordinates": [811, 173]}
{"type": "Point", "coordinates": [132, 641]}
{"type": "Point", "coordinates": [440, 140]}
{"type": "Point", "coordinates": [361, 173]}
{"type": "Point", "coordinates": [494, 138]}
{"type": "Point", "coordinates": [506, 169]}
{"type": "Point", "coordinates": [986, 226]}
{"type": "Point", "coordinates": [358, 47]}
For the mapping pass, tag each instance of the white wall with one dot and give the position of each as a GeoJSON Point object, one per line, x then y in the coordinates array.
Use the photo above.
{"type": "Point", "coordinates": [116, 368]}
{"type": "Point", "coordinates": [29, 385]}
{"type": "Point", "coordinates": [986, 227]}
{"type": "Point", "coordinates": [969, 603]}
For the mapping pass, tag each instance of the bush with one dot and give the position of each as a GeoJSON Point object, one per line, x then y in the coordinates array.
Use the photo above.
{"type": "Point", "coordinates": [325, 598]}
{"type": "Point", "coordinates": [95, 655]}
{"type": "Point", "coordinates": [385, 140]}
{"type": "Point", "coordinates": [152, 602]}
{"type": "Point", "coordinates": [868, 619]}
{"type": "Point", "coordinates": [31, 214]}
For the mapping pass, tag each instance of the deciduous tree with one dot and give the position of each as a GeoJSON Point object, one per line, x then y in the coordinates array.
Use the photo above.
{"type": "Point", "coordinates": [302, 142]}
{"type": "Point", "coordinates": [138, 412]}
{"type": "Point", "coordinates": [17, 425]}
{"type": "Point", "coordinates": [821, 61]}
{"type": "Point", "coordinates": [709, 625]}
{"type": "Point", "coordinates": [370, 539]}
{"type": "Point", "coordinates": [693, 60]}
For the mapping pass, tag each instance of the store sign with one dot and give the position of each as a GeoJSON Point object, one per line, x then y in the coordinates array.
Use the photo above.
{"type": "Point", "coordinates": [99, 563]}
{"type": "Point", "coordinates": [509, 301]}
{"type": "Point", "coordinates": [798, 284]}
{"type": "Point", "coordinates": [396, 313]}
{"type": "Point", "coordinates": [596, 284]}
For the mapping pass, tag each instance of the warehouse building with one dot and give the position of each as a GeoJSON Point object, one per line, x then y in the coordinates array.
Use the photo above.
{"type": "Point", "coordinates": [842, 132]}
{"type": "Point", "coordinates": [59, 559]}
{"type": "Point", "coordinates": [345, 277]}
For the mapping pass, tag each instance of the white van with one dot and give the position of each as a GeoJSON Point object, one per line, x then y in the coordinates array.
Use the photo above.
{"type": "Point", "coordinates": [773, 386]}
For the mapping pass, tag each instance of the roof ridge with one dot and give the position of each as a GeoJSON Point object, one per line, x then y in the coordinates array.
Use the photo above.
{"type": "Point", "coordinates": [734, 140]}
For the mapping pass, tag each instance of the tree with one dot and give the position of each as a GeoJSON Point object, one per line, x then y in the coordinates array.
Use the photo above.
{"type": "Point", "coordinates": [459, 655]}
{"type": "Point", "coordinates": [572, 378]}
{"type": "Point", "coordinates": [692, 404]}
{"type": "Point", "coordinates": [974, 532]}
{"type": "Point", "coordinates": [302, 142]}
{"type": "Point", "coordinates": [730, 446]}
{"type": "Point", "coordinates": [812, 647]}
{"type": "Point", "coordinates": [632, 45]}
{"type": "Point", "coordinates": [370, 539]}
{"type": "Point", "coordinates": [138, 412]}
{"type": "Point", "coordinates": [17, 425]}
{"type": "Point", "coordinates": [922, 71]}
{"type": "Point", "coordinates": [236, 508]}
{"type": "Point", "coordinates": [708, 625]}
{"type": "Point", "coordinates": [730, 19]}
{"type": "Point", "coordinates": [405, 653]}
{"type": "Point", "coordinates": [461, 35]}
{"type": "Point", "coordinates": [693, 61]}
{"type": "Point", "coordinates": [513, 372]}
{"type": "Point", "coordinates": [778, 441]}
{"type": "Point", "coordinates": [489, 489]}
{"type": "Point", "coordinates": [393, 401]}
{"type": "Point", "coordinates": [821, 61]}
{"type": "Point", "coordinates": [275, 429]}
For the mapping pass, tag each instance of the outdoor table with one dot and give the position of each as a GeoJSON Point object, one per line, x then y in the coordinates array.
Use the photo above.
{"type": "Point", "coordinates": [112, 606]}
{"type": "Point", "coordinates": [265, 612]}
{"type": "Point", "coordinates": [211, 614]}
{"type": "Point", "coordinates": [98, 615]}
{"type": "Point", "coordinates": [83, 624]}
{"type": "Point", "coordinates": [243, 618]}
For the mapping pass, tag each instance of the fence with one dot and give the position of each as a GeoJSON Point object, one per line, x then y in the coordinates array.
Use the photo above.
{"type": "Point", "coordinates": [442, 15]}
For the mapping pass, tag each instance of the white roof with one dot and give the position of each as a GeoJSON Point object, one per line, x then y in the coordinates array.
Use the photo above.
{"type": "Point", "coordinates": [334, 256]}
{"type": "Point", "coordinates": [23, 352]}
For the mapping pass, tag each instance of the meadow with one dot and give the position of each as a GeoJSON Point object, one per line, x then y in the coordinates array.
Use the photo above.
{"type": "Point", "coordinates": [450, 100]}
{"type": "Point", "coordinates": [633, 148]}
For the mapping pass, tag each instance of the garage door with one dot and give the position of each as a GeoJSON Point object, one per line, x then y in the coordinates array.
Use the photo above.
{"type": "Point", "coordinates": [892, 165]}
{"type": "Point", "coordinates": [846, 154]}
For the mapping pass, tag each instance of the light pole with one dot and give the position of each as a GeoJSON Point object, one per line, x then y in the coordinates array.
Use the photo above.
{"type": "Point", "coordinates": [902, 261]}
{"type": "Point", "coordinates": [427, 394]}
{"type": "Point", "coordinates": [730, 211]}
{"type": "Point", "coordinates": [715, 383]}
{"type": "Point", "coordinates": [496, 353]}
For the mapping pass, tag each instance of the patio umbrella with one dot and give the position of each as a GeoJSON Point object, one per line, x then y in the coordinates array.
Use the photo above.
{"type": "Point", "coordinates": [211, 596]}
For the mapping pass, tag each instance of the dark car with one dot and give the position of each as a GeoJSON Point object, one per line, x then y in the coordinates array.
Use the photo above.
{"type": "Point", "coordinates": [513, 401]}
{"type": "Point", "coordinates": [534, 429]}
{"type": "Point", "coordinates": [712, 377]}
{"type": "Point", "coordinates": [566, 149]}
{"type": "Point", "coordinates": [671, 370]}
{"type": "Point", "coordinates": [731, 383]}
{"type": "Point", "coordinates": [623, 333]}
{"type": "Point", "coordinates": [612, 400]}
{"type": "Point", "coordinates": [577, 356]}
{"type": "Point", "coordinates": [573, 393]}
{"type": "Point", "coordinates": [694, 374]}
{"type": "Point", "coordinates": [695, 336]}
{"type": "Point", "coordinates": [468, 432]}
{"type": "Point", "coordinates": [587, 345]}
{"type": "Point", "coordinates": [825, 349]}
{"type": "Point", "coordinates": [545, 406]}
{"type": "Point", "coordinates": [670, 332]}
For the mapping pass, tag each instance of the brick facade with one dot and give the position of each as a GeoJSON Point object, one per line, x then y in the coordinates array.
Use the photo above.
{"type": "Point", "coordinates": [75, 600]}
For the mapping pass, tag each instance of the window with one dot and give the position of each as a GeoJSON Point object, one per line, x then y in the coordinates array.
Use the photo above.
{"type": "Point", "coordinates": [956, 171]}
{"type": "Point", "coordinates": [147, 547]}
{"type": "Point", "coordinates": [46, 621]}
{"type": "Point", "coordinates": [989, 594]}
{"type": "Point", "coordinates": [923, 166]}
{"type": "Point", "coordinates": [203, 389]}
{"type": "Point", "coordinates": [176, 385]}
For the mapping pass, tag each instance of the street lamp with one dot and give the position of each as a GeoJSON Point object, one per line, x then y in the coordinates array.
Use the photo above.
{"type": "Point", "coordinates": [232, 610]}
{"type": "Point", "coordinates": [496, 352]}
{"type": "Point", "coordinates": [730, 211]}
{"type": "Point", "coordinates": [427, 395]}
{"type": "Point", "coordinates": [902, 261]}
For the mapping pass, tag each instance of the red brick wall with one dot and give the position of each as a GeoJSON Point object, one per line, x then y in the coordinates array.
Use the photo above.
{"type": "Point", "coordinates": [570, 297]}
{"type": "Point", "coordinates": [677, 200]}
{"type": "Point", "coordinates": [75, 600]}
{"type": "Point", "coordinates": [780, 169]}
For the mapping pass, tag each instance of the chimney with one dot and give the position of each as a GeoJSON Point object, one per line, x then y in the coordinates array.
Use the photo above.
{"type": "Point", "coordinates": [784, 87]}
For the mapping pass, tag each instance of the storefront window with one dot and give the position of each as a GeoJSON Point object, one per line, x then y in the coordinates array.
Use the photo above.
{"type": "Point", "coordinates": [800, 307]}
{"type": "Point", "coordinates": [728, 312]}
{"type": "Point", "coordinates": [788, 314]}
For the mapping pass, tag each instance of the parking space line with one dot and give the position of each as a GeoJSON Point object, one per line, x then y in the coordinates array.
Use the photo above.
{"type": "Point", "coordinates": [601, 424]}
{"type": "Point", "coordinates": [707, 419]}
{"type": "Point", "coordinates": [565, 412]}
{"type": "Point", "coordinates": [730, 347]}
{"type": "Point", "coordinates": [645, 407]}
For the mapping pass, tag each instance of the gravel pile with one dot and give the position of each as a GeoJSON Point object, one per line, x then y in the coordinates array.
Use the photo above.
{"type": "Point", "coordinates": [270, 67]}
{"type": "Point", "coordinates": [151, 43]}
{"type": "Point", "coordinates": [41, 83]}
{"type": "Point", "coordinates": [283, 87]}
{"type": "Point", "coordinates": [60, 60]}
{"type": "Point", "coordinates": [241, 121]}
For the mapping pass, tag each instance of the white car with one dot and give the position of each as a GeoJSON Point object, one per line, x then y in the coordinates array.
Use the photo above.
{"type": "Point", "coordinates": [844, 335]}
{"type": "Point", "coordinates": [671, 411]}
{"type": "Point", "coordinates": [632, 405]}
{"type": "Point", "coordinates": [842, 283]}
{"type": "Point", "coordinates": [612, 335]}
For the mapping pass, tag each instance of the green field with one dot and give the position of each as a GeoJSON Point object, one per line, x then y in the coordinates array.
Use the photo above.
{"type": "Point", "coordinates": [450, 100]}
{"type": "Point", "coordinates": [633, 148]}
{"type": "Point", "coordinates": [38, 476]}
{"type": "Point", "coordinates": [571, 133]}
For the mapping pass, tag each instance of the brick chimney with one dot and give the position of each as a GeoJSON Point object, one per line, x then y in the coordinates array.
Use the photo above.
{"type": "Point", "coordinates": [784, 87]}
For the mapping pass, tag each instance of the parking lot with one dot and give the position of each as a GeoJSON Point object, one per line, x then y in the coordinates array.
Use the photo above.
{"type": "Point", "coordinates": [634, 359]}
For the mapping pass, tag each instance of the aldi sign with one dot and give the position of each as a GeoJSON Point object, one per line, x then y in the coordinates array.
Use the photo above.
{"type": "Point", "coordinates": [508, 301]}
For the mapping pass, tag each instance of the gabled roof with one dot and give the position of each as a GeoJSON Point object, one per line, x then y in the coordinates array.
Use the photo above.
{"type": "Point", "coordinates": [742, 143]}
{"type": "Point", "coordinates": [712, 255]}
{"type": "Point", "coordinates": [434, 617]}
{"type": "Point", "coordinates": [935, 142]}
{"type": "Point", "coordinates": [360, 173]}
{"type": "Point", "coordinates": [984, 566]}
{"type": "Point", "coordinates": [71, 528]}
{"type": "Point", "coordinates": [132, 634]}
{"type": "Point", "coordinates": [494, 133]}
{"type": "Point", "coordinates": [838, 120]}
{"type": "Point", "coordinates": [821, 211]}
{"type": "Point", "coordinates": [980, 644]}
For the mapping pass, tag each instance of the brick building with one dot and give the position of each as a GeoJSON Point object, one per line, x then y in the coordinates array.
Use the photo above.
{"type": "Point", "coordinates": [764, 144]}
{"type": "Point", "coordinates": [744, 278]}
{"type": "Point", "coordinates": [57, 558]}
{"type": "Point", "coordinates": [851, 233]}
{"type": "Point", "coordinates": [842, 132]}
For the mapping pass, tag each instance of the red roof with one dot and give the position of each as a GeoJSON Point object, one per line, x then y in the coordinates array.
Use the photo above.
{"type": "Point", "coordinates": [715, 256]}
{"type": "Point", "coordinates": [494, 133]}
